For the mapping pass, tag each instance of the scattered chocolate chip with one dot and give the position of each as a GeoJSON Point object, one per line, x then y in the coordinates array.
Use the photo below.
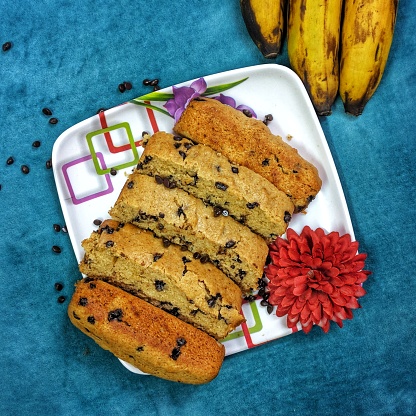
{"type": "Point", "coordinates": [310, 198]}
{"type": "Point", "coordinates": [156, 88]}
{"type": "Point", "coordinates": [241, 273]}
{"type": "Point", "coordinates": [128, 85]}
{"type": "Point", "coordinates": [230, 244]}
{"type": "Point", "coordinates": [204, 259]}
{"type": "Point", "coordinates": [159, 285]}
{"type": "Point", "coordinates": [61, 299]}
{"type": "Point", "coordinates": [161, 215]}
{"type": "Point", "coordinates": [58, 286]}
{"type": "Point", "coordinates": [181, 212]}
{"type": "Point", "coordinates": [109, 244]}
{"type": "Point", "coordinates": [180, 342]}
{"type": "Point", "coordinates": [113, 172]}
{"type": "Point", "coordinates": [221, 186]}
{"type": "Point", "coordinates": [212, 301]}
{"type": "Point", "coordinates": [25, 169]}
{"type": "Point", "coordinates": [6, 46]}
{"type": "Point", "coordinates": [154, 82]}
{"type": "Point", "coordinates": [56, 249]}
{"type": "Point", "coordinates": [234, 169]}
{"type": "Point", "coordinates": [83, 302]}
{"type": "Point", "coordinates": [287, 217]}
{"type": "Point", "coordinates": [176, 352]}
{"type": "Point", "coordinates": [217, 211]}
{"type": "Point", "coordinates": [91, 320]}
{"type": "Point", "coordinates": [265, 162]}
{"type": "Point", "coordinates": [97, 222]}
{"type": "Point", "coordinates": [46, 111]}
{"type": "Point", "coordinates": [53, 120]}
{"type": "Point", "coordinates": [185, 260]}
{"type": "Point", "coordinates": [48, 164]}
{"type": "Point", "coordinates": [140, 349]}
{"type": "Point", "coordinates": [36, 143]}
{"type": "Point", "coordinates": [177, 138]}
{"type": "Point", "coordinates": [166, 242]}
{"type": "Point", "coordinates": [196, 256]}
{"type": "Point", "coordinates": [157, 256]}
{"type": "Point", "coordinates": [57, 227]}
{"type": "Point", "coordinates": [64, 229]}
{"type": "Point", "coordinates": [117, 314]}
{"type": "Point", "coordinates": [146, 82]}
{"type": "Point", "coordinates": [184, 247]}
{"type": "Point", "coordinates": [121, 87]}
{"type": "Point", "coordinates": [247, 113]}
{"type": "Point", "coordinates": [250, 298]}
{"type": "Point", "coordinates": [10, 161]}
{"type": "Point", "coordinates": [130, 184]}
{"type": "Point", "coordinates": [182, 154]}
{"type": "Point", "coordinates": [252, 205]}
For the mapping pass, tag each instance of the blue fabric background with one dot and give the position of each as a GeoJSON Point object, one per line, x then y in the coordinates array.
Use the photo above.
{"type": "Point", "coordinates": [71, 56]}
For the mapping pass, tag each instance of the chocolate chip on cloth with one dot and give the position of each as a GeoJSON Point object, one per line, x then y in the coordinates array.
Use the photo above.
{"type": "Point", "coordinates": [144, 336]}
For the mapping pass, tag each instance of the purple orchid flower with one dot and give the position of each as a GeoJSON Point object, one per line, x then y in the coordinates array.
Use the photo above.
{"type": "Point", "coordinates": [182, 96]}
{"type": "Point", "coordinates": [225, 99]}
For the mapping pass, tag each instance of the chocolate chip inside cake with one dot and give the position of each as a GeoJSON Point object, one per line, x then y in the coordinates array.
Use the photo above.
{"type": "Point", "coordinates": [185, 220]}
{"type": "Point", "coordinates": [240, 192]}
{"type": "Point", "coordinates": [164, 275]}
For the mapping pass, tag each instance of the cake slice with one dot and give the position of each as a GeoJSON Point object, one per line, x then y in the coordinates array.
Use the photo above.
{"type": "Point", "coordinates": [236, 190]}
{"type": "Point", "coordinates": [148, 338]}
{"type": "Point", "coordinates": [162, 274]}
{"type": "Point", "coordinates": [185, 220]}
{"type": "Point", "coordinates": [249, 142]}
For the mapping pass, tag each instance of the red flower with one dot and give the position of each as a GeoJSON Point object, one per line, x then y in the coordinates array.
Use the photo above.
{"type": "Point", "coordinates": [315, 278]}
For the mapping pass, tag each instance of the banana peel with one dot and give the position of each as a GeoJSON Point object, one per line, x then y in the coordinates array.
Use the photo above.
{"type": "Point", "coordinates": [265, 23]}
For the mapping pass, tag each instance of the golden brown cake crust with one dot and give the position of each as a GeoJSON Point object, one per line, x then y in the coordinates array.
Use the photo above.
{"type": "Point", "coordinates": [245, 195]}
{"type": "Point", "coordinates": [186, 220]}
{"type": "Point", "coordinates": [249, 142]}
{"type": "Point", "coordinates": [164, 275]}
{"type": "Point", "coordinates": [150, 339]}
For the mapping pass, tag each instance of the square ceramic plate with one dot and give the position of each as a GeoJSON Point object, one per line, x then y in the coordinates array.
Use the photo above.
{"type": "Point", "coordinates": [86, 156]}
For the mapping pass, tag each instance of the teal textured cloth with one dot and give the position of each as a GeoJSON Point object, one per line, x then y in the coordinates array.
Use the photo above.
{"type": "Point", "coordinates": [70, 57]}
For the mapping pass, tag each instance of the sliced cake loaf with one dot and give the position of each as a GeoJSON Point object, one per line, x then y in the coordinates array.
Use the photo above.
{"type": "Point", "coordinates": [236, 190]}
{"type": "Point", "coordinates": [185, 220]}
{"type": "Point", "coordinates": [144, 336]}
{"type": "Point", "coordinates": [162, 274]}
{"type": "Point", "coordinates": [249, 142]}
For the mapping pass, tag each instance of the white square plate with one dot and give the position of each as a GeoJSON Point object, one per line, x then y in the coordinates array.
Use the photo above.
{"type": "Point", "coordinates": [86, 155]}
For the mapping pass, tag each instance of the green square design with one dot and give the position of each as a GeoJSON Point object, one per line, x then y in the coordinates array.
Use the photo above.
{"type": "Point", "coordinates": [97, 166]}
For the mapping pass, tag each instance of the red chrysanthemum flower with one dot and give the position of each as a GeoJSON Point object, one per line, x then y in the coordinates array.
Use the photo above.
{"type": "Point", "coordinates": [315, 278]}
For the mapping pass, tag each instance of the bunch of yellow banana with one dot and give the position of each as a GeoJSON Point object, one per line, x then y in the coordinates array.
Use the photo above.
{"type": "Point", "coordinates": [264, 20]}
{"type": "Point", "coordinates": [333, 45]}
{"type": "Point", "coordinates": [367, 34]}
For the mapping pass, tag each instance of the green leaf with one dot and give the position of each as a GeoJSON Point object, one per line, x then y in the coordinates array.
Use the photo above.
{"type": "Point", "coordinates": [220, 88]}
{"type": "Point", "coordinates": [163, 96]}
{"type": "Point", "coordinates": [155, 96]}
{"type": "Point", "coordinates": [152, 107]}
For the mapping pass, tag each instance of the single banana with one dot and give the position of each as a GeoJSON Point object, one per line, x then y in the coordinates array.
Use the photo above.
{"type": "Point", "coordinates": [264, 20]}
{"type": "Point", "coordinates": [313, 37]}
{"type": "Point", "coordinates": [367, 34]}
